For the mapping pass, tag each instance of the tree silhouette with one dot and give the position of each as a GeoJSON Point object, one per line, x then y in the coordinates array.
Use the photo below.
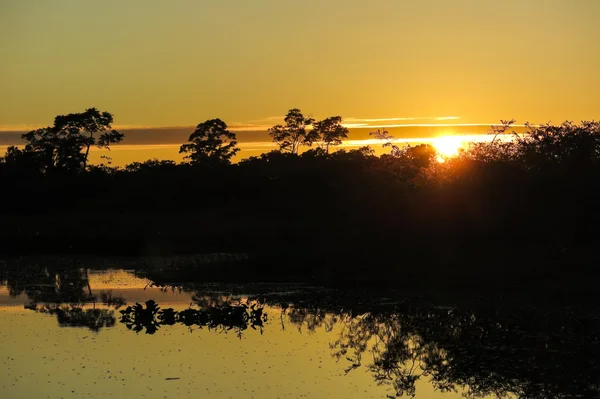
{"type": "Point", "coordinates": [22, 163]}
{"type": "Point", "coordinates": [571, 148]}
{"type": "Point", "coordinates": [420, 155]}
{"type": "Point", "coordinates": [150, 165]}
{"type": "Point", "coordinates": [290, 137]}
{"type": "Point", "coordinates": [330, 132]}
{"type": "Point", "coordinates": [66, 144]}
{"type": "Point", "coordinates": [389, 141]}
{"type": "Point", "coordinates": [211, 144]}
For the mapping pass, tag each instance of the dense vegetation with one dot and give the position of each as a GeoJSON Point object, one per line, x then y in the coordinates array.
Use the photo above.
{"type": "Point", "coordinates": [501, 211]}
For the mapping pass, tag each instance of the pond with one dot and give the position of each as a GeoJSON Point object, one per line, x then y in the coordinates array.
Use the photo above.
{"type": "Point", "coordinates": [76, 332]}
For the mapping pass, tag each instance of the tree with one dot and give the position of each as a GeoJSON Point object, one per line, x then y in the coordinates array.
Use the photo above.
{"type": "Point", "coordinates": [290, 137]}
{"type": "Point", "coordinates": [210, 144]}
{"type": "Point", "coordinates": [20, 163]}
{"type": "Point", "coordinates": [389, 141]}
{"type": "Point", "coordinates": [83, 126]}
{"type": "Point", "coordinates": [330, 132]}
{"type": "Point", "coordinates": [421, 155]}
{"type": "Point", "coordinates": [151, 165]}
{"type": "Point", "coordinates": [66, 144]}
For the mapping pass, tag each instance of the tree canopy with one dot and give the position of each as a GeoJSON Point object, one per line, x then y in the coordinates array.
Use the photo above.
{"type": "Point", "coordinates": [330, 132]}
{"type": "Point", "coordinates": [66, 145]}
{"type": "Point", "coordinates": [293, 134]}
{"type": "Point", "coordinates": [210, 144]}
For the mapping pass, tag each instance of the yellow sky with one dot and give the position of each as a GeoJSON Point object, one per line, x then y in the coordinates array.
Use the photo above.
{"type": "Point", "coordinates": [177, 63]}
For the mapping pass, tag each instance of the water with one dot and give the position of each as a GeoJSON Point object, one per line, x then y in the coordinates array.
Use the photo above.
{"type": "Point", "coordinates": [75, 333]}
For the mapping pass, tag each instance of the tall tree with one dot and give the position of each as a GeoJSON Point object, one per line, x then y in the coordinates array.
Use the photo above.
{"type": "Point", "coordinates": [330, 132]}
{"type": "Point", "coordinates": [66, 144]}
{"type": "Point", "coordinates": [87, 124]}
{"type": "Point", "coordinates": [210, 144]}
{"type": "Point", "coordinates": [292, 135]}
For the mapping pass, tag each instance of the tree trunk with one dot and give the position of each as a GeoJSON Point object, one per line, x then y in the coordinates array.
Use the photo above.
{"type": "Point", "coordinates": [87, 152]}
{"type": "Point", "coordinates": [87, 280]}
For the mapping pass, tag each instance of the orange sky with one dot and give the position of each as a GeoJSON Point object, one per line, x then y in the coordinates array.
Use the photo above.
{"type": "Point", "coordinates": [155, 63]}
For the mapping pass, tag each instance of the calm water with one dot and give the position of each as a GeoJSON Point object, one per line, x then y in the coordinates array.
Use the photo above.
{"type": "Point", "coordinates": [79, 333]}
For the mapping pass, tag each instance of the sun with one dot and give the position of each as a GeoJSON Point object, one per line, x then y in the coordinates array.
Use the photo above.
{"type": "Point", "coordinates": [447, 146]}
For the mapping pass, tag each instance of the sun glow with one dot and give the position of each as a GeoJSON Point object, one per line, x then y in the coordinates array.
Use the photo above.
{"type": "Point", "coordinates": [447, 146]}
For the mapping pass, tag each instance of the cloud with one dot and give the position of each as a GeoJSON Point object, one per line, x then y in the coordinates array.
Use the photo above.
{"type": "Point", "coordinates": [416, 121]}
{"type": "Point", "coordinates": [148, 127]}
{"type": "Point", "coordinates": [27, 128]}
{"type": "Point", "coordinates": [367, 120]}
{"type": "Point", "coordinates": [19, 128]}
{"type": "Point", "coordinates": [247, 127]}
{"type": "Point", "coordinates": [395, 125]}
{"type": "Point", "coordinates": [357, 122]}
{"type": "Point", "coordinates": [445, 118]}
{"type": "Point", "coordinates": [396, 119]}
{"type": "Point", "coordinates": [269, 119]}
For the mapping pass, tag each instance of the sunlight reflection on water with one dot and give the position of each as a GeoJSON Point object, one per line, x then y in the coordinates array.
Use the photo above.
{"type": "Point", "coordinates": [291, 355]}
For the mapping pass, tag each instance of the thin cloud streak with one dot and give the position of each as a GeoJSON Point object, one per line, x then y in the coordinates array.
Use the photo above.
{"type": "Point", "coordinates": [466, 138]}
{"type": "Point", "coordinates": [268, 119]}
{"type": "Point", "coordinates": [388, 125]}
{"type": "Point", "coordinates": [420, 118]}
{"type": "Point", "coordinates": [19, 128]}
{"type": "Point", "coordinates": [247, 127]}
{"type": "Point", "coordinates": [233, 126]}
{"type": "Point", "coordinates": [368, 120]}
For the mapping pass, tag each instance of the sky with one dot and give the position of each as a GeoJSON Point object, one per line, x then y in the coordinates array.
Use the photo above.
{"type": "Point", "coordinates": [177, 63]}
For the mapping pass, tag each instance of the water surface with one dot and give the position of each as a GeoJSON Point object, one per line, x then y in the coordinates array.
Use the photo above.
{"type": "Point", "coordinates": [76, 333]}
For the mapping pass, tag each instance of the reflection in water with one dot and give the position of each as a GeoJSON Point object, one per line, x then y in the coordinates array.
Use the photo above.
{"type": "Point", "coordinates": [76, 316]}
{"type": "Point", "coordinates": [477, 352]}
{"type": "Point", "coordinates": [530, 355]}
{"type": "Point", "coordinates": [51, 285]}
{"type": "Point", "coordinates": [230, 317]}
{"type": "Point", "coordinates": [63, 292]}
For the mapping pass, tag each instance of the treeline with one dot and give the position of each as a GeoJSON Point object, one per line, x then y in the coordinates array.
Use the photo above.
{"type": "Point", "coordinates": [499, 209]}
{"type": "Point", "coordinates": [64, 147]}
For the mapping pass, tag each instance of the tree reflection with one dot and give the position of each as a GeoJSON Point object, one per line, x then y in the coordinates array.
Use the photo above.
{"type": "Point", "coordinates": [76, 316]}
{"type": "Point", "coordinates": [63, 292]}
{"type": "Point", "coordinates": [530, 355]}
{"type": "Point", "coordinates": [399, 356]}
{"type": "Point", "coordinates": [311, 318]}
{"type": "Point", "coordinates": [524, 353]}
{"type": "Point", "coordinates": [50, 285]}
{"type": "Point", "coordinates": [151, 317]}
{"type": "Point", "coordinates": [107, 298]}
